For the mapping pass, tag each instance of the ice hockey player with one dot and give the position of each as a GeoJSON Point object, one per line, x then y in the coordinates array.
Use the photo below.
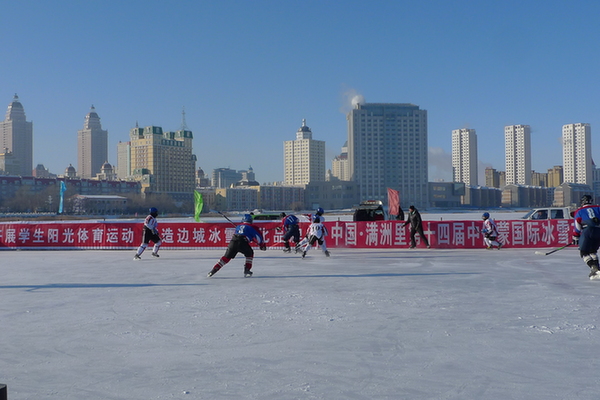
{"type": "Point", "coordinates": [315, 233]}
{"type": "Point", "coordinates": [586, 233]}
{"type": "Point", "coordinates": [150, 234]}
{"type": "Point", "coordinates": [289, 224]}
{"type": "Point", "coordinates": [244, 235]}
{"type": "Point", "coordinates": [311, 217]}
{"type": "Point", "coordinates": [490, 232]}
{"type": "Point", "coordinates": [416, 226]}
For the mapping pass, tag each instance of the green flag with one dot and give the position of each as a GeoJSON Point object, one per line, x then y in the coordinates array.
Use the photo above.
{"type": "Point", "coordinates": [198, 204]}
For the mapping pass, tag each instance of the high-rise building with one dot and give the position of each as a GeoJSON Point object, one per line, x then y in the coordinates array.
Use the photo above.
{"type": "Point", "coordinates": [339, 165]}
{"type": "Point", "coordinates": [517, 147]}
{"type": "Point", "coordinates": [303, 158]}
{"type": "Point", "coordinates": [92, 146]}
{"type": "Point", "coordinates": [123, 160]}
{"type": "Point", "coordinates": [163, 161]}
{"type": "Point", "coordinates": [16, 136]}
{"type": "Point", "coordinates": [577, 153]}
{"type": "Point", "coordinates": [464, 156]}
{"type": "Point", "coordinates": [387, 148]}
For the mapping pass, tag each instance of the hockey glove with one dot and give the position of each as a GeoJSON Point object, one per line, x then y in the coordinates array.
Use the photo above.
{"type": "Point", "coordinates": [575, 240]}
{"type": "Point", "coordinates": [263, 247]}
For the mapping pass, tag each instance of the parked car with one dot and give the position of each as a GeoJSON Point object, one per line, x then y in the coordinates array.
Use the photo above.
{"type": "Point", "coordinates": [266, 217]}
{"type": "Point", "coordinates": [549, 213]}
{"type": "Point", "coordinates": [370, 210]}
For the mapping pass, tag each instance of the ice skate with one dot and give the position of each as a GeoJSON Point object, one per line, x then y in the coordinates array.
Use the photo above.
{"type": "Point", "coordinates": [247, 273]}
{"type": "Point", "coordinates": [326, 253]}
{"type": "Point", "coordinates": [155, 255]}
{"type": "Point", "coordinates": [137, 257]}
{"type": "Point", "coordinates": [212, 272]}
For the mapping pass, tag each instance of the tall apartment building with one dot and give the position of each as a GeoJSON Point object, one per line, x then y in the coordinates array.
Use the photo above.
{"type": "Point", "coordinates": [339, 165]}
{"type": "Point", "coordinates": [16, 136]}
{"type": "Point", "coordinates": [163, 161]}
{"type": "Point", "coordinates": [464, 156]}
{"type": "Point", "coordinates": [387, 148]}
{"type": "Point", "coordinates": [303, 158]}
{"type": "Point", "coordinates": [123, 169]}
{"type": "Point", "coordinates": [92, 146]}
{"type": "Point", "coordinates": [517, 146]}
{"type": "Point", "coordinates": [577, 153]}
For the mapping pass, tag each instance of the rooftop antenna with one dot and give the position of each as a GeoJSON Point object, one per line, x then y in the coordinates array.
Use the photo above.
{"type": "Point", "coordinates": [184, 126]}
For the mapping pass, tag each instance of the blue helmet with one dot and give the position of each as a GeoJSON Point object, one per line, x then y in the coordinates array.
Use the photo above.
{"type": "Point", "coordinates": [153, 211]}
{"type": "Point", "coordinates": [247, 218]}
{"type": "Point", "coordinates": [320, 211]}
{"type": "Point", "coordinates": [485, 215]}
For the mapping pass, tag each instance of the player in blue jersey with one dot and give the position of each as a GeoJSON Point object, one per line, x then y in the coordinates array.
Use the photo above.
{"type": "Point", "coordinates": [289, 224]}
{"type": "Point", "coordinates": [586, 233]}
{"type": "Point", "coordinates": [244, 235]}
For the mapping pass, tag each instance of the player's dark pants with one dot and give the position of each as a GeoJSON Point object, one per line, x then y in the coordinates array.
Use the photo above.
{"type": "Point", "coordinates": [150, 236]}
{"type": "Point", "coordinates": [589, 242]}
{"type": "Point", "coordinates": [293, 232]}
{"type": "Point", "coordinates": [239, 244]}
{"type": "Point", "coordinates": [414, 231]}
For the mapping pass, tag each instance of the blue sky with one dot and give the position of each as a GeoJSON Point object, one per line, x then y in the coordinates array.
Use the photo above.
{"type": "Point", "coordinates": [248, 72]}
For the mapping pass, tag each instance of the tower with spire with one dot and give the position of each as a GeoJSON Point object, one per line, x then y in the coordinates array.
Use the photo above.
{"type": "Point", "coordinates": [303, 158]}
{"type": "Point", "coordinates": [16, 135]}
{"type": "Point", "coordinates": [92, 146]}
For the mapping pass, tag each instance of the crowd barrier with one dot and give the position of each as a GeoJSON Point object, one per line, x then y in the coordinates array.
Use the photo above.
{"type": "Point", "coordinates": [342, 234]}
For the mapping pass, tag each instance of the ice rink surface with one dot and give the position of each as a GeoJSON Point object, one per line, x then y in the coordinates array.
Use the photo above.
{"type": "Point", "coordinates": [362, 324]}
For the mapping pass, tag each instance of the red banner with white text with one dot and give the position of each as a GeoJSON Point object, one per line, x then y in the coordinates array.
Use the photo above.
{"type": "Point", "coordinates": [191, 235]}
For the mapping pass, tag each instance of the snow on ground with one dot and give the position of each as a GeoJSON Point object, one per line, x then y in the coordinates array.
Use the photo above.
{"type": "Point", "coordinates": [363, 324]}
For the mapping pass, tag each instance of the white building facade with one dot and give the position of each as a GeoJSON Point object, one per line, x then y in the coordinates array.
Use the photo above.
{"type": "Point", "coordinates": [16, 136]}
{"type": "Point", "coordinates": [92, 146]}
{"type": "Point", "coordinates": [303, 158]}
{"type": "Point", "coordinates": [339, 165]}
{"type": "Point", "coordinates": [517, 146]}
{"type": "Point", "coordinates": [464, 156]}
{"type": "Point", "coordinates": [387, 148]}
{"type": "Point", "coordinates": [577, 153]}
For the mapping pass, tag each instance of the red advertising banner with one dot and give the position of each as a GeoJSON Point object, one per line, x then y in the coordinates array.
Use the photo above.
{"type": "Point", "coordinates": [342, 234]}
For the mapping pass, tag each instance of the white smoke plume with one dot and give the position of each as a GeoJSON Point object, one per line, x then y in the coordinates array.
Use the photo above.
{"type": "Point", "coordinates": [350, 98]}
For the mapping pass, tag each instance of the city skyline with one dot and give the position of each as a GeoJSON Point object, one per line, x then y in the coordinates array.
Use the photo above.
{"type": "Point", "coordinates": [246, 73]}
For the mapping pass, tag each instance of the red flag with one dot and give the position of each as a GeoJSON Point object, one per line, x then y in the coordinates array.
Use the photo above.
{"type": "Point", "coordinates": [393, 202]}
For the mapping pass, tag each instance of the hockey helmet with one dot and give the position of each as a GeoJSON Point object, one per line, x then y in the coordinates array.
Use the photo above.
{"type": "Point", "coordinates": [282, 215]}
{"type": "Point", "coordinates": [485, 215]}
{"type": "Point", "coordinates": [586, 199]}
{"type": "Point", "coordinates": [154, 211]}
{"type": "Point", "coordinates": [320, 211]}
{"type": "Point", "coordinates": [247, 218]}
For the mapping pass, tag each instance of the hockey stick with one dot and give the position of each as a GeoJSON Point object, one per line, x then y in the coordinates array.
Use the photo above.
{"type": "Point", "coordinates": [541, 253]}
{"type": "Point", "coordinates": [219, 212]}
